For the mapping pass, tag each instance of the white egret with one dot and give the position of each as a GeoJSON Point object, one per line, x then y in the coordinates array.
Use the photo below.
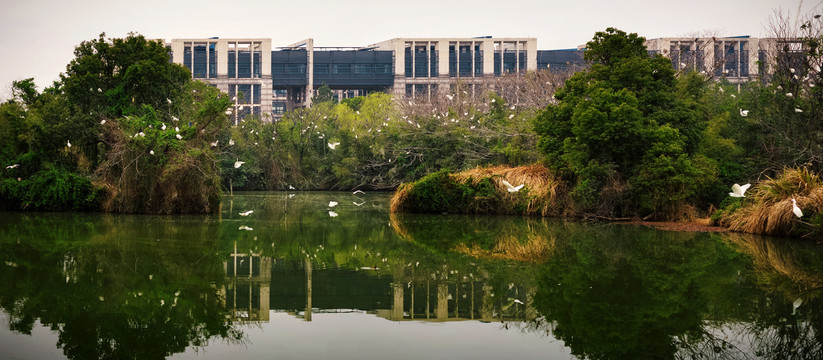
{"type": "Point", "coordinates": [450, 96]}
{"type": "Point", "coordinates": [238, 163]}
{"type": "Point", "coordinates": [333, 145]}
{"type": "Point", "coordinates": [176, 129]}
{"type": "Point", "coordinates": [291, 196]}
{"type": "Point", "coordinates": [792, 70]}
{"type": "Point", "coordinates": [168, 100]}
{"type": "Point", "coordinates": [512, 188]}
{"type": "Point", "coordinates": [174, 118]}
{"type": "Point", "coordinates": [244, 227]}
{"type": "Point", "coordinates": [721, 90]}
{"type": "Point", "coordinates": [511, 116]}
{"type": "Point", "coordinates": [247, 213]}
{"type": "Point", "coordinates": [163, 127]}
{"type": "Point", "coordinates": [518, 301]}
{"type": "Point", "coordinates": [358, 192]}
{"type": "Point", "coordinates": [12, 166]}
{"type": "Point", "coordinates": [332, 214]}
{"type": "Point", "coordinates": [360, 204]}
{"type": "Point", "coordinates": [68, 143]}
{"type": "Point", "coordinates": [231, 142]}
{"type": "Point", "coordinates": [744, 112]}
{"type": "Point", "coordinates": [789, 95]}
{"type": "Point", "coordinates": [151, 152]}
{"type": "Point", "coordinates": [332, 204]}
{"type": "Point", "coordinates": [798, 110]}
{"type": "Point", "coordinates": [102, 121]}
{"type": "Point", "coordinates": [291, 187]}
{"type": "Point", "coordinates": [178, 137]}
{"type": "Point", "coordinates": [796, 304]}
{"type": "Point", "coordinates": [213, 144]}
{"type": "Point", "coordinates": [795, 209]}
{"type": "Point", "coordinates": [739, 191]}
{"type": "Point", "coordinates": [734, 96]}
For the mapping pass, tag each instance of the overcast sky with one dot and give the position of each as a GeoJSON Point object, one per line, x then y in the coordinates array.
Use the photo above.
{"type": "Point", "coordinates": [38, 37]}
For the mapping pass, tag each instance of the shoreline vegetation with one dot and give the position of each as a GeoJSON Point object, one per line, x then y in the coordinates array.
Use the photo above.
{"type": "Point", "coordinates": [628, 137]}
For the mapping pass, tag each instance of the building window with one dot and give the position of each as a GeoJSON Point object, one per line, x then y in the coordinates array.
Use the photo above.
{"type": "Point", "coordinates": [341, 68]}
{"type": "Point", "coordinates": [297, 68]}
{"type": "Point", "coordinates": [201, 59]}
{"type": "Point", "coordinates": [255, 94]}
{"type": "Point", "coordinates": [278, 68]}
{"type": "Point", "coordinates": [363, 69]}
{"type": "Point", "coordinates": [321, 68]}
{"type": "Point", "coordinates": [382, 68]}
{"type": "Point", "coordinates": [278, 107]}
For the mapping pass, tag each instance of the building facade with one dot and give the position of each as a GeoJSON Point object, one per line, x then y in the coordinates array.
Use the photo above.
{"type": "Point", "coordinates": [268, 81]}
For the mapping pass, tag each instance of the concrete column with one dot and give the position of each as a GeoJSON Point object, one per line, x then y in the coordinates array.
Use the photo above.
{"type": "Point", "coordinates": [531, 51]}
{"type": "Point", "coordinates": [488, 57]}
{"type": "Point", "coordinates": [457, 58]}
{"type": "Point", "coordinates": [413, 52]}
{"type": "Point", "coordinates": [222, 48]}
{"type": "Point", "coordinates": [177, 51]}
{"type": "Point", "coordinates": [309, 71]}
{"type": "Point", "coordinates": [443, 58]}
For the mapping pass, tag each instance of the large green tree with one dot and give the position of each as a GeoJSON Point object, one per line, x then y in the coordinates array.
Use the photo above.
{"type": "Point", "coordinates": [622, 133]}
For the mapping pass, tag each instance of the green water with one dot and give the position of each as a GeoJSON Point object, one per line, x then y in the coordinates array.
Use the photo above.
{"type": "Point", "coordinates": [303, 284]}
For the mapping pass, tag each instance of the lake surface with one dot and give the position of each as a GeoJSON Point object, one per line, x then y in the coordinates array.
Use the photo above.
{"type": "Point", "coordinates": [297, 279]}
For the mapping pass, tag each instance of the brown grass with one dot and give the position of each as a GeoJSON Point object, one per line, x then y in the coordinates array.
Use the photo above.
{"type": "Point", "coordinates": [544, 190]}
{"type": "Point", "coordinates": [769, 210]}
{"type": "Point", "coordinates": [776, 257]}
{"type": "Point", "coordinates": [536, 249]}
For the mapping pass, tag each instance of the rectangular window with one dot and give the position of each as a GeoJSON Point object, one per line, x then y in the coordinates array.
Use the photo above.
{"type": "Point", "coordinates": [363, 69]}
{"type": "Point", "coordinates": [278, 68]}
{"type": "Point", "coordinates": [244, 64]}
{"type": "Point", "coordinates": [187, 56]}
{"type": "Point", "coordinates": [257, 68]}
{"type": "Point", "coordinates": [278, 107]}
{"type": "Point", "coordinates": [421, 62]}
{"type": "Point", "coordinates": [280, 93]}
{"type": "Point", "coordinates": [212, 61]}
{"type": "Point", "coordinates": [433, 65]}
{"type": "Point", "coordinates": [321, 68]}
{"type": "Point", "coordinates": [382, 68]}
{"type": "Point", "coordinates": [341, 69]}
{"type": "Point", "coordinates": [297, 68]}
{"type": "Point", "coordinates": [200, 61]}
{"type": "Point", "coordinates": [232, 64]}
{"type": "Point", "coordinates": [409, 90]}
{"type": "Point", "coordinates": [243, 93]}
{"type": "Point", "coordinates": [408, 61]}
{"type": "Point", "coordinates": [255, 94]}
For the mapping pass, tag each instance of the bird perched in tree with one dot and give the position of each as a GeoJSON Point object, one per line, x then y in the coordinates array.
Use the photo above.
{"type": "Point", "coordinates": [238, 163]}
{"type": "Point", "coordinates": [739, 191]}
{"type": "Point", "coordinates": [744, 112]}
{"type": "Point", "coordinates": [68, 143]}
{"type": "Point", "coordinates": [332, 204]}
{"type": "Point", "coordinates": [247, 213]}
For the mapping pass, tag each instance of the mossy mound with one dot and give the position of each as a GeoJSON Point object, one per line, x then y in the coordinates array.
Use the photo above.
{"type": "Point", "coordinates": [481, 191]}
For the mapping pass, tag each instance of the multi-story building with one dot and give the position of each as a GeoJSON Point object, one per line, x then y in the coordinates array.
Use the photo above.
{"type": "Point", "coordinates": [269, 81]}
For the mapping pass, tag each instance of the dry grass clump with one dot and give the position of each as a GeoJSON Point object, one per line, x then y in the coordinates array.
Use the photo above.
{"type": "Point", "coordinates": [777, 257]}
{"type": "Point", "coordinates": [481, 191]}
{"type": "Point", "coordinates": [535, 249]}
{"type": "Point", "coordinates": [768, 210]}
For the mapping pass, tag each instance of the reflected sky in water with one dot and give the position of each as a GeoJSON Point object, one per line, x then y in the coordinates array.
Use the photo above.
{"type": "Point", "coordinates": [365, 284]}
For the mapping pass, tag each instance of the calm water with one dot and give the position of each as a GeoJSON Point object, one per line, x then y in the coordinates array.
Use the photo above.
{"type": "Point", "coordinates": [357, 283]}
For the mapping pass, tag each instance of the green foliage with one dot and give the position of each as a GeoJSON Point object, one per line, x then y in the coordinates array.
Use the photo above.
{"type": "Point", "coordinates": [625, 124]}
{"type": "Point", "coordinates": [324, 94]}
{"type": "Point", "coordinates": [354, 103]}
{"type": "Point", "coordinates": [51, 190]}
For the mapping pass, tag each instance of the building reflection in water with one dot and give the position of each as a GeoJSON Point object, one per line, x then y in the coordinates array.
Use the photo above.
{"type": "Point", "coordinates": [256, 285]}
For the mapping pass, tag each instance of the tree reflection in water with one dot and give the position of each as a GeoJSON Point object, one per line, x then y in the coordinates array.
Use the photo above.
{"type": "Point", "coordinates": [150, 287]}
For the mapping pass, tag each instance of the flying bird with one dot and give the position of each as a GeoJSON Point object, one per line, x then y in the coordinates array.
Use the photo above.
{"type": "Point", "coordinates": [247, 213]}
{"type": "Point", "coordinates": [12, 166]}
{"type": "Point", "coordinates": [512, 188]}
{"type": "Point", "coordinates": [333, 145]}
{"type": "Point", "coordinates": [796, 210]}
{"type": "Point", "coordinates": [739, 191]}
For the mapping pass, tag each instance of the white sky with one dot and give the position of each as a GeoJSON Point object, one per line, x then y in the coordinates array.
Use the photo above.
{"type": "Point", "coordinates": [38, 37]}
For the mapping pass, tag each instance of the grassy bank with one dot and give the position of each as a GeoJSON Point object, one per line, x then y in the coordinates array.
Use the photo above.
{"type": "Point", "coordinates": [482, 191]}
{"type": "Point", "coordinates": [768, 208]}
